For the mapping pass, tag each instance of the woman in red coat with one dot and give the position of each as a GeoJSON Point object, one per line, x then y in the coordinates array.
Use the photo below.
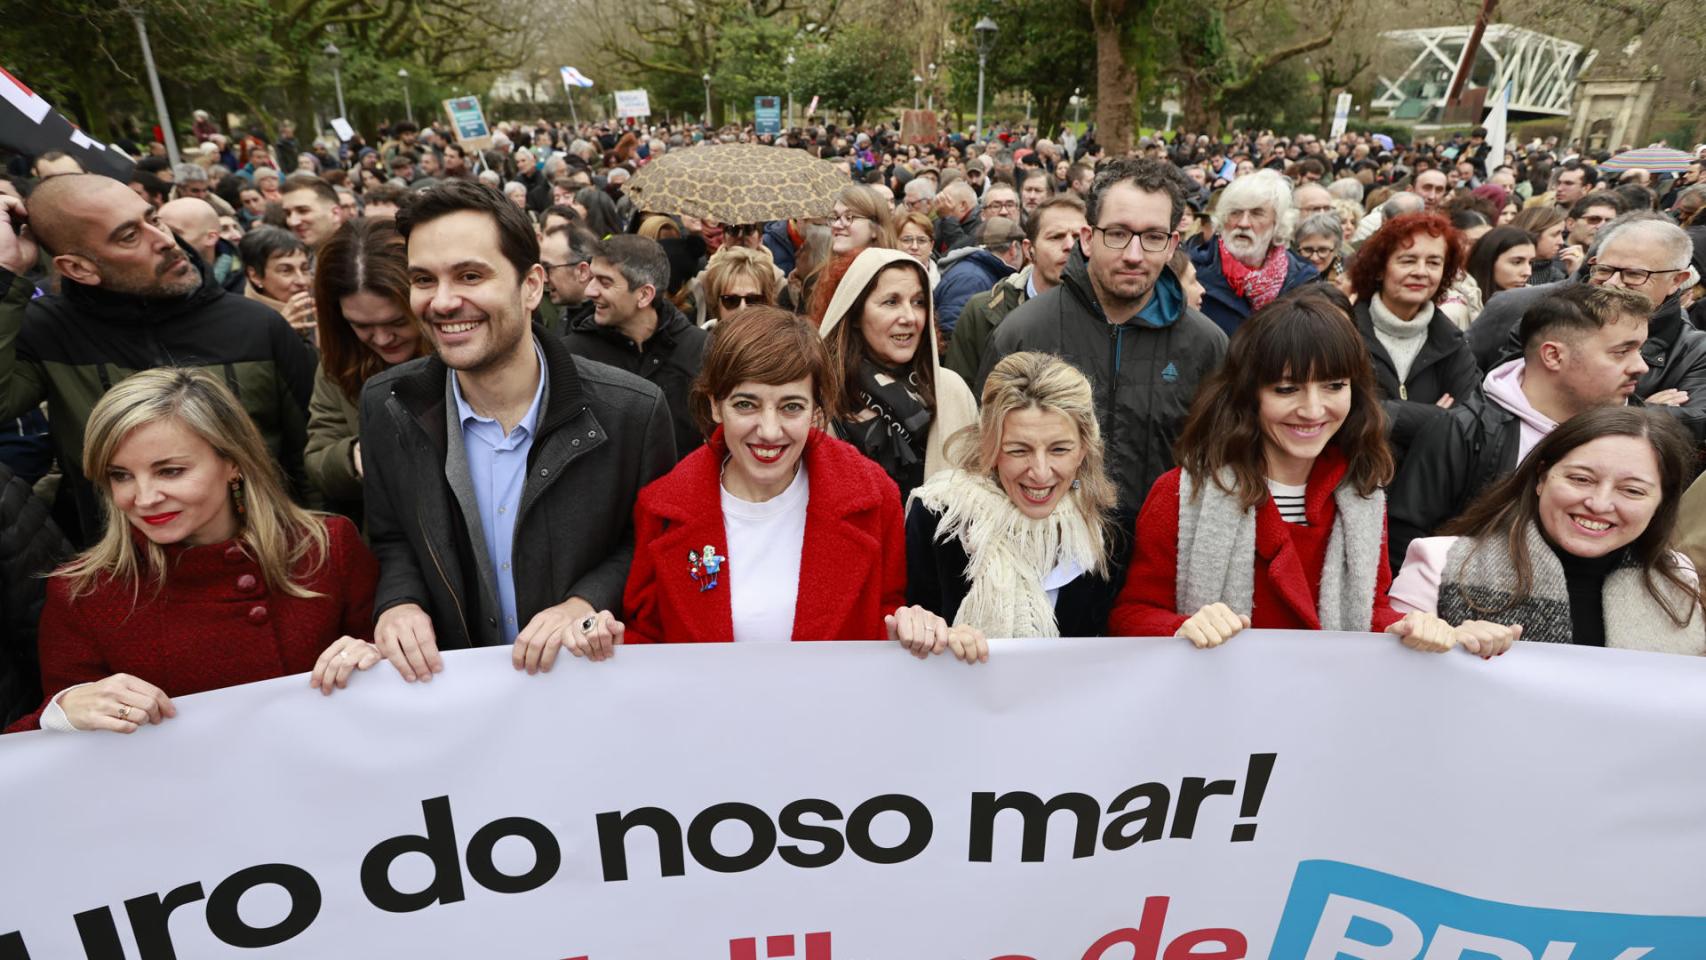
{"type": "Point", "coordinates": [206, 576]}
{"type": "Point", "coordinates": [1275, 517]}
{"type": "Point", "coordinates": [774, 530]}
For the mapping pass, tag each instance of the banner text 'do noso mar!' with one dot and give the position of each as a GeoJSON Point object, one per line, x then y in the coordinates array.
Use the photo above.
{"type": "Point", "coordinates": [1287, 796]}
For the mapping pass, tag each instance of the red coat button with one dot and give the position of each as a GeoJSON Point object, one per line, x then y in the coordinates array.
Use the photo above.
{"type": "Point", "coordinates": [234, 554]}
{"type": "Point", "coordinates": [257, 615]}
{"type": "Point", "coordinates": [247, 583]}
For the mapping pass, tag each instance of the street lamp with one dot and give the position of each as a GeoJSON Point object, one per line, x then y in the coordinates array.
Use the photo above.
{"type": "Point", "coordinates": [985, 29]}
{"type": "Point", "coordinates": [408, 106]}
{"type": "Point", "coordinates": [1077, 101]}
{"type": "Point", "coordinates": [334, 54]}
{"type": "Point", "coordinates": [930, 99]}
{"type": "Point", "coordinates": [154, 85]}
{"type": "Point", "coordinates": [707, 79]}
{"type": "Point", "coordinates": [917, 90]}
{"type": "Point", "coordinates": [790, 62]}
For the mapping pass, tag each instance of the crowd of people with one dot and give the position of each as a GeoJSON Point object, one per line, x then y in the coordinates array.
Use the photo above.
{"type": "Point", "coordinates": [284, 409]}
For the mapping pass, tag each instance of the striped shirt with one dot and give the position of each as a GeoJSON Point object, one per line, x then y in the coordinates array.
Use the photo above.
{"type": "Point", "coordinates": [1289, 500]}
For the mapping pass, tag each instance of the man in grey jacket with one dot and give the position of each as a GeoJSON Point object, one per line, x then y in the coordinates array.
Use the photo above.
{"type": "Point", "coordinates": [500, 474]}
{"type": "Point", "coordinates": [1119, 315]}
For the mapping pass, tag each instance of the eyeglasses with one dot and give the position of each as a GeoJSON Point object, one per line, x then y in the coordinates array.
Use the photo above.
{"type": "Point", "coordinates": [1118, 238]}
{"type": "Point", "coordinates": [915, 241]}
{"type": "Point", "coordinates": [573, 263]}
{"type": "Point", "coordinates": [742, 229]}
{"type": "Point", "coordinates": [1632, 276]}
{"type": "Point", "coordinates": [1314, 252]}
{"type": "Point", "coordinates": [848, 218]}
{"type": "Point", "coordinates": [737, 301]}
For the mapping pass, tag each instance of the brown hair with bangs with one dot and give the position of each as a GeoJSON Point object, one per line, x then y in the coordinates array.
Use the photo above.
{"type": "Point", "coordinates": [1300, 337]}
{"type": "Point", "coordinates": [765, 345]}
{"type": "Point", "coordinates": [362, 256]}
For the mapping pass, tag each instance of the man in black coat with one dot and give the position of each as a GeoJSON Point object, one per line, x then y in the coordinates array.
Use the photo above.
{"type": "Point", "coordinates": [1643, 245]}
{"type": "Point", "coordinates": [634, 326]}
{"type": "Point", "coordinates": [501, 473]}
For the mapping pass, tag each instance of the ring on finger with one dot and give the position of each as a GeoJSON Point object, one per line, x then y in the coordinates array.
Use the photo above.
{"type": "Point", "coordinates": [124, 712]}
{"type": "Point", "coordinates": [588, 623]}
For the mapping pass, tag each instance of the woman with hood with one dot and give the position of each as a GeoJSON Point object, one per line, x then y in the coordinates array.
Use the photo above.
{"type": "Point", "coordinates": [899, 404]}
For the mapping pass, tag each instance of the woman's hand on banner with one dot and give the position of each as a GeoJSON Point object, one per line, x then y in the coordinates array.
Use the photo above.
{"type": "Point", "coordinates": [921, 632]}
{"type": "Point", "coordinates": [1424, 631]}
{"type": "Point", "coordinates": [968, 644]}
{"type": "Point", "coordinates": [1486, 639]}
{"type": "Point", "coordinates": [1212, 626]}
{"type": "Point", "coordinates": [120, 703]}
{"type": "Point", "coordinates": [339, 661]}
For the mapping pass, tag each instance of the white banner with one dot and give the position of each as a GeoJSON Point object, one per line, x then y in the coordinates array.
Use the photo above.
{"type": "Point", "coordinates": [1289, 796]}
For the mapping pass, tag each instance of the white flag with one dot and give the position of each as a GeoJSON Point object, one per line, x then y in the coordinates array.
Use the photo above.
{"type": "Point", "coordinates": [574, 78]}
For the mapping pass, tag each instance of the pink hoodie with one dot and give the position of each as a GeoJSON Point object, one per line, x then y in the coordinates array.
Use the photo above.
{"type": "Point", "coordinates": [1503, 386]}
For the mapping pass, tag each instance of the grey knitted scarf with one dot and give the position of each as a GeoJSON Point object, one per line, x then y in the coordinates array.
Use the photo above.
{"type": "Point", "coordinates": [1480, 578]}
{"type": "Point", "coordinates": [1217, 553]}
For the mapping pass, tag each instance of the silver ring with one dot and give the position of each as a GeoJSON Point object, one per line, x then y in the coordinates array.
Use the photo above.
{"type": "Point", "coordinates": [588, 623]}
{"type": "Point", "coordinates": [124, 712]}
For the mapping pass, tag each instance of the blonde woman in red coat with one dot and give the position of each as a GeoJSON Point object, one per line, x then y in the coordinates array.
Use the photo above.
{"type": "Point", "coordinates": [774, 531]}
{"type": "Point", "coordinates": [206, 576]}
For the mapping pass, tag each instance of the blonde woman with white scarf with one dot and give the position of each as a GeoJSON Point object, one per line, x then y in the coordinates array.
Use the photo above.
{"type": "Point", "coordinates": [1014, 540]}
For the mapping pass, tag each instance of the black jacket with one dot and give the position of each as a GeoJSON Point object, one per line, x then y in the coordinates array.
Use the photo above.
{"type": "Point", "coordinates": [30, 546]}
{"type": "Point", "coordinates": [69, 349]}
{"type": "Point", "coordinates": [1451, 460]}
{"type": "Point", "coordinates": [670, 359]}
{"type": "Point", "coordinates": [1144, 377]}
{"type": "Point", "coordinates": [1444, 365]}
{"type": "Point", "coordinates": [1675, 350]}
{"type": "Point", "coordinates": [602, 435]}
{"type": "Point", "coordinates": [936, 580]}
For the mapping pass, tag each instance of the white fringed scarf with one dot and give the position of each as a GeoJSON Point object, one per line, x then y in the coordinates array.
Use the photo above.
{"type": "Point", "coordinates": [1008, 553]}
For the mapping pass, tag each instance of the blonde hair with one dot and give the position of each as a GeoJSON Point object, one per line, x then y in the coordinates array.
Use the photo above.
{"type": "Point", "coordinates": [732, 261]}
{"type": "Point", "coordinates": [277, 533]}
{"type": "Point", "coordinates": [865, 202]}
{"type": "Point", "coordinates": [1042, 381]}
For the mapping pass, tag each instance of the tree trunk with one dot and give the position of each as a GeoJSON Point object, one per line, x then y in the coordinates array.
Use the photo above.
{"type": "Point", "coordinates": [1116, 81]}
{"type": "Point", "coordinates": [1194, 111]}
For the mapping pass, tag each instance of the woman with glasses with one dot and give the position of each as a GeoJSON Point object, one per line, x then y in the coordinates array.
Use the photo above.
{"type": "Point", "coordinates": [1317, 239]}
{"type": "Point", "coordinates": [736, 278]}
{"type": "Point", "coordinates": [860, 220]}
{"type": "Point", "coordinates": [915, 234]}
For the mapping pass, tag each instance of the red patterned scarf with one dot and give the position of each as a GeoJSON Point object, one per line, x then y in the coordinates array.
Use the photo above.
{"type": "Point", "coordinates": [1259, 286]}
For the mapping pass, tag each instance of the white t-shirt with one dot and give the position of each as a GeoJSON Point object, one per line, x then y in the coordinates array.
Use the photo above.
{"type": "Point", "coordinates": [765, 542]}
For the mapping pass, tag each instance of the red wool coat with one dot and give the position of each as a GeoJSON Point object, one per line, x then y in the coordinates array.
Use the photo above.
{"type": "Point", "coordinates": [213, 624]}
{"type": "Point", "coordinates": [1289, 558]}
{"type": "Point", "coordinates": [852, 566]}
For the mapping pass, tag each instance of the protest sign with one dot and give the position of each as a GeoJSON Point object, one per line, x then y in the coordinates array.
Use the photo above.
{"type": "Point", "coordinates": [1341, 115]}
{"type": "Point", "coordinates": [1296, 796]}
{"type": "Point", "coordinates": [633, 103]}
{"type": "Point", "coordinates": [767, 115]}
{"type": "Point", "coordinates": [919, 126]}
{"type": "Point", "coordinates": [468, 121]}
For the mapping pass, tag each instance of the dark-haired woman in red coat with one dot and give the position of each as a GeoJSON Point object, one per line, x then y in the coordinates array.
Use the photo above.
{"type": "Point", "coordinates": [774, 530]}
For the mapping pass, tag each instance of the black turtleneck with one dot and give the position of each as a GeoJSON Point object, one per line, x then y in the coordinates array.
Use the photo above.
{"type": "Point", "coordinates": [1584, 577]}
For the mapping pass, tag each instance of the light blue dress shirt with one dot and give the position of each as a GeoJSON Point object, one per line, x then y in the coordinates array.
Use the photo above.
{"type": "Point", "coordinates": [498, 466]}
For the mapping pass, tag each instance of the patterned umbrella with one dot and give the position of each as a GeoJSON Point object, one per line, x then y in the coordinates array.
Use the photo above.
{"type": "Point", "coordinates": [1654, 159]}
{"type": "Point", "coordinates": [738, 183]}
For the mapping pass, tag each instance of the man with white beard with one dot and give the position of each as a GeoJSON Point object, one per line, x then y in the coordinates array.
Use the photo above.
{"type": "Point", "coordinates": [1248, 262]}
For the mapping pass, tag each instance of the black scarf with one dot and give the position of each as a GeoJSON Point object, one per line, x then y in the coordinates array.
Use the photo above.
{"type": "Point", "coordinates": [895, 437]}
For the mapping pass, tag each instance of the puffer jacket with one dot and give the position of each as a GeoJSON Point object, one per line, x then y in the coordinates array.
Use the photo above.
{"type": "Point", "coordinates": [965, 272]}
{"type": "Point", "coordinates": [1144, 375]}
{"type": "Point", "coordinates": [30, 546]}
